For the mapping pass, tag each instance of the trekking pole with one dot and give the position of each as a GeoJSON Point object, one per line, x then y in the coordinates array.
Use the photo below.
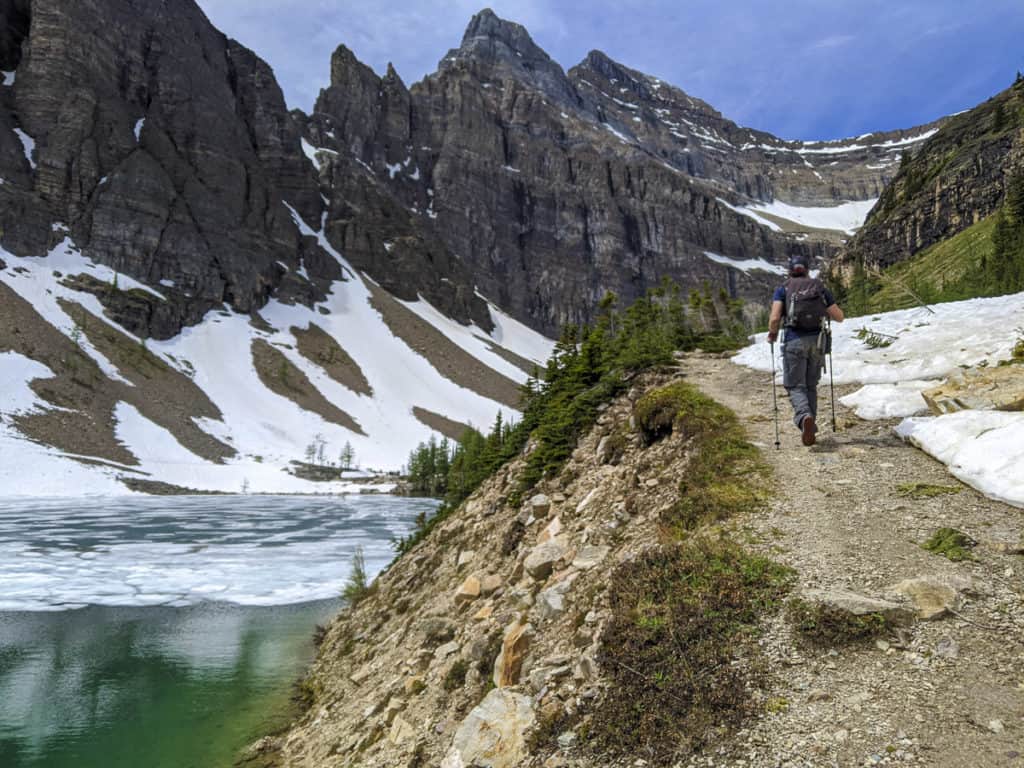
{"type": "Point", "coordinates": [831, 378]}
{"type": "Point", "coordinates": [775, 399]}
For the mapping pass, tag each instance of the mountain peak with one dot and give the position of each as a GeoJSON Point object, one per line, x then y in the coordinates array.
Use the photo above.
{"type": "Point", "coordinates": [491, 35]}
{"type": "Point", "coordinates": [496, 47]}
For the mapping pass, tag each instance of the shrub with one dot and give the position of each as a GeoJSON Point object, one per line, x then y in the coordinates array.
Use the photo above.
{"type": "Point", "coordinates": [824, 625]}
{"type": "Point", "coordinates": [679, 650]}
{"type": "Point", "coordinates": [724, 473]}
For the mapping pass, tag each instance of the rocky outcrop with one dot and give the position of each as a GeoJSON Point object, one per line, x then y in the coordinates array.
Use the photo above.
{"type": "Point", "coordinates": [1000, 388]}
{"type": "Point", "coordinates": [957, 179]}
{"type": "Point", "coordinates": [163, 146]}
{"type": "Point", "coordinates": [552, 188]}
{"type": "Point", "coordinates": [167, 151]}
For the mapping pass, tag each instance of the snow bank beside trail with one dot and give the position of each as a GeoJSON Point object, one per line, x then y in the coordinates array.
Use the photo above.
{"type": "Point", "coordinates": [982, 448]}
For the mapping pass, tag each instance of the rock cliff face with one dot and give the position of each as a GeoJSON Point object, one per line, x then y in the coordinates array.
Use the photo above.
{"type": "Point", "coordinates": [956, 180]}
{"type": "Point", "coordinates": [554, 187]}
{"type": "Point", "coordinates": [164, 149]}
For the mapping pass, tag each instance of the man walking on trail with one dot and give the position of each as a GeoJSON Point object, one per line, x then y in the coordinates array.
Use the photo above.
{"type": "Point", "coordinates": [801, 305]}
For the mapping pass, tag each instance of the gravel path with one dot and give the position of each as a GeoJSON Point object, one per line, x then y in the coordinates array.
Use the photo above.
{"type": "Point", "coordinates": [947, 693]}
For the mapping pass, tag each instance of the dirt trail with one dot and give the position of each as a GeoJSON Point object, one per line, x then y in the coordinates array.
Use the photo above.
{"type": "Point", "coordinates": [951, 693]}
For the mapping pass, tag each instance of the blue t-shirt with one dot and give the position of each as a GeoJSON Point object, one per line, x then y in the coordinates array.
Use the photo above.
{"type": "Point", "coordinates": [794, 333]}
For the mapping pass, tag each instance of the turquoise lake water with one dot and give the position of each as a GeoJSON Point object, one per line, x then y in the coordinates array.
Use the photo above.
{"type": "Point", "coordinates": [168, 632]}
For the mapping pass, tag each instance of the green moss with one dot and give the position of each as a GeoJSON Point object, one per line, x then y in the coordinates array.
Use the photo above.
{"type": "Point", "coordinates": [950, 543]}
{"type": "Point", "coordinates": [680, 649]}
{"type": "Point", "coordinates": [823, 625]}
{"type": "Point", "coordinates": [724, 473]}
{"type": "Point", "coordinates": [926, 490]}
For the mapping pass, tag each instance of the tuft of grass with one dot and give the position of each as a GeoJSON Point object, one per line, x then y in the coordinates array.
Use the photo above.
{"type": "Point", "coordinates": [680, 650]}
{"type": "Point", "coordinates": [724, 473]}
{"type": "Point", "coordinates": [951, 543]}
{"type": "Point", "coordinates": [455, 677]}
{"type": "Point", "coordinates": [926, 490]}
{"type": "Point", "coordinates": [823, 625]}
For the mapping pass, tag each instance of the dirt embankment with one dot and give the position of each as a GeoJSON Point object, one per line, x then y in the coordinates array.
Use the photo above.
{"type": "Point", "coordinates": [497, 640]}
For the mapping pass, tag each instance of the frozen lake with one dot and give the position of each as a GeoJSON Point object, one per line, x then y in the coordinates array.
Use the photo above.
{"type": "Point", "coordinates": [168, 631]}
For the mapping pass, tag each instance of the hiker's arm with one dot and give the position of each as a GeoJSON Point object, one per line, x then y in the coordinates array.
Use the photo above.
{"type": "Point", "coordinates": [835, 313]}
{"type": "Point", "coordinates": [774, 321]}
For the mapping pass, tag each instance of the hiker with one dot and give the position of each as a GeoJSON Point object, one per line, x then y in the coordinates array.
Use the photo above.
{"type": "Point", "coordinates": [801, 305]}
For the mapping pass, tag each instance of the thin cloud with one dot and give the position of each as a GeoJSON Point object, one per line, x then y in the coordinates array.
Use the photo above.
{"type": "Point", "coordinates": [833, 41]}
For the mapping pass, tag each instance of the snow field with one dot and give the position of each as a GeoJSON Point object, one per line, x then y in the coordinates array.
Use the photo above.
{"type": "Point", "coordinates": [267, 430]}
{"type": "Point", "coordinates": [984, 449]}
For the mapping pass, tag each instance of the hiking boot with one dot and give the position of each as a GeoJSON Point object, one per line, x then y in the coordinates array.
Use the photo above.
{"type": "Point", "coordinates": [808, 427]}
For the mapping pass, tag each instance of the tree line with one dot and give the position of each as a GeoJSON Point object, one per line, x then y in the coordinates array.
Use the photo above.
{"type": "Point", "coordinates": [589, 366]}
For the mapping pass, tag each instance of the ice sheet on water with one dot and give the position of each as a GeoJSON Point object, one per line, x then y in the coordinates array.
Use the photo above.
{"type": "Point", "coordinates": [140, 551]}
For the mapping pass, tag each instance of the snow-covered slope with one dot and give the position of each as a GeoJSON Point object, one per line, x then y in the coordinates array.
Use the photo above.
{"type": "Point", "coordinates": [267, 430]}
{"type": "Point", "coordinates": [983, 448]}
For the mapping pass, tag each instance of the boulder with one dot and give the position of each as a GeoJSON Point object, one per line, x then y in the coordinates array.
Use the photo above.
{"type": "Point", "coordinates": [551, 530]}
{"type": "Point", "coordinates": [493, 735]}
{"type": "Point", "coordinates": [465, 556]}
{"type": "Point", "coordinates": [551, 602]}
{"type": "Point", "coordinates": [540, 505]}
{"type": "Point", "coordinates": [446, 650]}
{"type": "Point", "coordinates": [590, 556]}
{"type": "Point", "coordinates": [490, 584]}
{"type": "Point", "coordinates": [468, 591]}
{"type": "Point", "coordinates": [998, 388]}
{"type": "Point", "coordinates": [542, 558]}
{"type": "Point", "coordinates": [932, 596]}
{"type": "Point", "coordinates": [400, 731]}
{"type": "Point", "coordinates": [854, 604]}
{"type": "Point", "coordinates": [509, 664]}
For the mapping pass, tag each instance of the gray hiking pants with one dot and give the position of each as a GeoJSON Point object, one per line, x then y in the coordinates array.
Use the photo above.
{"type": "Point", "coordinates": [801, 371]}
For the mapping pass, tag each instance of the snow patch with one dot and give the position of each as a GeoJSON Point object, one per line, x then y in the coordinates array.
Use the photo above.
{"type": "Point", "coordinates": [138, 128]}
{"type": "Point", "coordinates": [8, 77]}
{"type": "Point", "coordinates": [846, 217]}
{"type": "Point", "coordinates": [746, 265]}
{"type": "Point", "coordinates": [28, 144]}
{"type": "Point", "coordinates": [983, 448]}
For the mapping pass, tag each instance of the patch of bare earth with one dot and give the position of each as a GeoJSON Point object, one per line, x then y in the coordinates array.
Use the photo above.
{"type": "Point", "coordinates": [447, 357]}
{"type": "Point", "coordinates": [319, 347]}
{"type": "Point", "coordinates": [162, 394]}
{"type": "Point", "coordinates": [526, 365]}
{"type": "Point", "coordinates": [948, 692]}
{"type": "Point", "coordinates": [81, 421]}
{"type": "Point", "coordinates": [279, 375]}
{"type": "Point", "coordinates": [448, 427]}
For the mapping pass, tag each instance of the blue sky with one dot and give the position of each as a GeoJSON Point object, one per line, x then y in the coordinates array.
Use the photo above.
{"type": "Point", "coordinates": [801, 69]}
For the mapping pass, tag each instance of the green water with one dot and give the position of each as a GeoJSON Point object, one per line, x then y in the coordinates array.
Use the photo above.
{"type": "Point", "coordinates": [148, 687]}
{"type": "Point", "coordinates": [150, 632]}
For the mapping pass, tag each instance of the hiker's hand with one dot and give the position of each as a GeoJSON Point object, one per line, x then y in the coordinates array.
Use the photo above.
{"type": "Point", "coordinates": [772, 336]}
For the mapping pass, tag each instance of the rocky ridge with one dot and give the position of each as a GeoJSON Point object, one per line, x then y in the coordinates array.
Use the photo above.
{"type": "Point", "coordinates": [958, 179]}
{"type": "Point", "coordinates": [553, 187]}
{"type": "Point", "coordinates": [478, 644]}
